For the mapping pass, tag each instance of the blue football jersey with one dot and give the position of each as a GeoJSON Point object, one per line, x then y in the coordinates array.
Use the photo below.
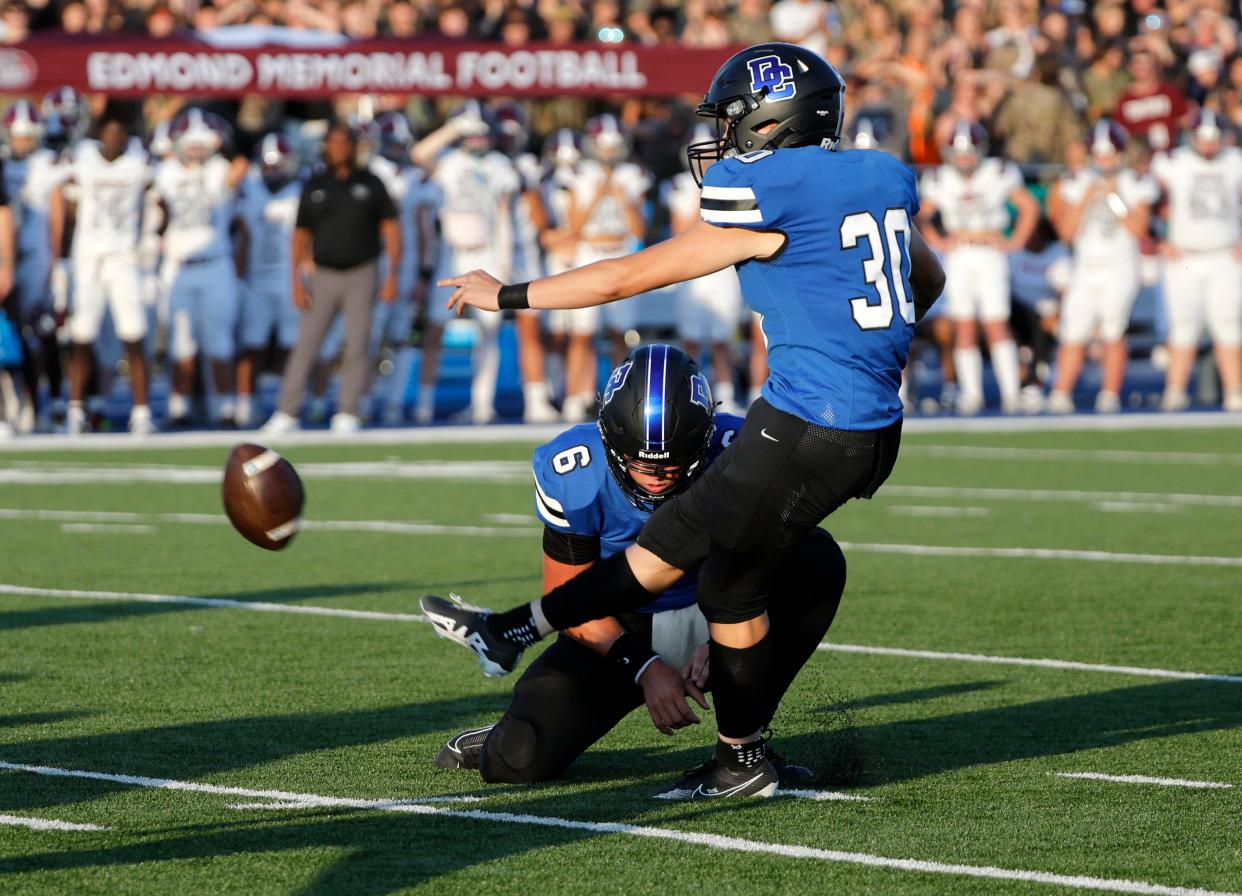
{"type": "Point", "coordinates": [836, 302]}
{"type": "Point", "coordinates": [576, 493]}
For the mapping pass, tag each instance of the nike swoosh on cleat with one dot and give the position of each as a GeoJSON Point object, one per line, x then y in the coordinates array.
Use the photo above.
{"type": "Point", "coordinates": [764, 432]}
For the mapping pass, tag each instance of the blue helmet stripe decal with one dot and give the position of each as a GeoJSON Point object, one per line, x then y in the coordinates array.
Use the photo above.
{"type": "Point", "coordinates": [653, 404]}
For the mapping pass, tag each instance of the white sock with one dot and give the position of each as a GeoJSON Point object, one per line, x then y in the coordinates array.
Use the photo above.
{"type": "Point", "coordinates": [535, 394]}
{"type": "Point", "coordinates": [140, 412]}
{"type": "Point", "coordinates": [1005, 367]}
{"type": "Point", "coordinates": [486, 365]}
{"type": "Point", "coordinates": [178, 405]}
{"type": "Point", "coordinates": [969, 363]}
{"type": "Point", "coordinates": [402, 364]}
{"type": "Point", "coordinates": [725, 393]}
{"type": "Point", "coordinates": [244, 410]}
{"type": "Point", "coordinates": [426, 398]}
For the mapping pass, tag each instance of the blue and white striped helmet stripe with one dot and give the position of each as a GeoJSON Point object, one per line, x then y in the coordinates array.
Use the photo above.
{"type": "Point", "coordinates": [653, 404]}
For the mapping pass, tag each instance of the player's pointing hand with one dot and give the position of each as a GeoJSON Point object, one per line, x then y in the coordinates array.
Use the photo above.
{"type": "Point", "coordinates": [477, 288]}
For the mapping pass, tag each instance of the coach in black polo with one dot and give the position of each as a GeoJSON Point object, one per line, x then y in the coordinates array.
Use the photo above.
{"type": "Point", "coordinates": [344, 216]}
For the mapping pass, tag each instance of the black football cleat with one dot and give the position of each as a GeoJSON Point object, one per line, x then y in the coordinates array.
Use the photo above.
{"type": "Point", "coordinates": [788, 774]}
{"type": "Point", "coordinates": [711, 780]}
{"type": "Point", "coordinates": [467, 625]}
{"type": "Point", "coordinates": [463, 750]}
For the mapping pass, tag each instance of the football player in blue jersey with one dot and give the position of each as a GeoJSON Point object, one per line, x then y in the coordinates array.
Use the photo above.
{"type": "Point", "coordinates": [596, 484]}
{"type": "Point", "coordinates": [827, 252]}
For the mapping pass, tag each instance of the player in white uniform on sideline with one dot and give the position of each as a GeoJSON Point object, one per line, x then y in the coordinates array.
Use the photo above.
{"type": "Point", "coordinates": [710, 308]}
{"type": "Point", "coordinates": [573, 332]}
{"type": "Point", "coordinates": [530, 218]}
{"type": "Point", "coordinates": [110, 177]}
{"type": "Point", "coordinates": [269, 205]}
{"type": "Point", "coordinates": [970, 195]}
{"type": "Point", "coordinates": [197, 189]}
{"type": "Point", "coordinates": [606, 219]}
{"type": "Point", "coordinates": [416, 201]}
{"type": "Point", "coordinates": [1202, 274]}
{"type": "Point", "coordinates": [476, 230]}
{"type": "Point", "coordinates": [1105, 209]}
{"type": "Point", "coordinates": [31, 173]}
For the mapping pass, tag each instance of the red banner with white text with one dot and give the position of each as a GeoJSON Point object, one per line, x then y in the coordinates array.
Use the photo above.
{"type": "Point", "coordinates": [133, 67]}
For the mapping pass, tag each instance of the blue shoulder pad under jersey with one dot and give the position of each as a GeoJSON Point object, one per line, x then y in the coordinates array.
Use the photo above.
{"type": "Point", "coordinates": [836, 303]}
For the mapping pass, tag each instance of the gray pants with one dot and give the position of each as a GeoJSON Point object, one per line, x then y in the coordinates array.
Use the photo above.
{"type": "Point", "coordinates": [351, 291]}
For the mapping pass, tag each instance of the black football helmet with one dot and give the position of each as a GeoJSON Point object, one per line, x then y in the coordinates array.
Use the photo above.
{"type": "Point", "coordinates": [770, 84]}
{"type": "Point", "coordinates": [657, 418]}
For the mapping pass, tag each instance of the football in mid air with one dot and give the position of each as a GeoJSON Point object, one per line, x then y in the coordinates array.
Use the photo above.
{"type": "Point", "coordinates": [263, 496]}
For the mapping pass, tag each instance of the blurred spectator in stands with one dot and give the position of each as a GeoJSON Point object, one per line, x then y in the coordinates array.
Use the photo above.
{"type": "Point", "coordinates": [1105, 80]}
{"type": "Point", "coordinates": [14, 22]}
{"type": "Point", "coordinates": [1151, 107]}
{"type": "Point", "coordinates": [1011, 45]}
{"type": "Point", "coordinates": [401, 20]}
{"type": "Point", "coordinates": [73, 18]}
{"type": "Point", "coordinates": [704, 26]}
{"type": "Point", "coordinates": [750, 22]}
{"type": "Point", "coordinates": [160, 21]}
{"type": "Point", "coordinates": [1037, 120]}
{"type": "Point", "coordinates": [358, 21]}
{"type": "Point", "coordinates": [453, 22]}
{"type": "Point", "coordinates": [606, 24]}
{"type": "Point", "coordinates": [804, 22]}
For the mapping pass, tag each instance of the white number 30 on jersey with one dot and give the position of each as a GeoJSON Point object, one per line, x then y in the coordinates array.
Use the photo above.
{"type": "Point", "coordinates": [888, 261]}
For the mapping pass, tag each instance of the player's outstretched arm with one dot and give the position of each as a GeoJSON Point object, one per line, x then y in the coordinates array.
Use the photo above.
{"type": "Point", "coordinates": [926, 274]}
{"type": "Point", "coordinates": [701, 250]}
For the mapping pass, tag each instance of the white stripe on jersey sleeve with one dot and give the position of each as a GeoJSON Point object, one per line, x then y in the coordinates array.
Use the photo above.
{"type": "Point", "coordinates": [551, 511]}
{"type": "Point", "coordinates": [713, 216]}
{"type": "Point", "coordinates": [710, 192]}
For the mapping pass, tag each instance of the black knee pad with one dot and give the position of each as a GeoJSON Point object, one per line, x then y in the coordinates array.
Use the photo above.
{"type": "Point", "coordinates": [733, 588]}
{"type": "Point", "coordinates": [509, 753]}
{"type": "Point", "coordinates": [819, 568]}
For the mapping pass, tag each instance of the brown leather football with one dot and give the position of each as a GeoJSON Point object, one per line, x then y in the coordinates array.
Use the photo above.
{"type": "Point", "coordinates": [263, 496]}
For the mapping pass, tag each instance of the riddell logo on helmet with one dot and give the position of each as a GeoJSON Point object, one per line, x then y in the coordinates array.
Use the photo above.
{"type": "Point", "coordinates": [654, 455]}
{"type": "Point", "coordinates": [17, 70]}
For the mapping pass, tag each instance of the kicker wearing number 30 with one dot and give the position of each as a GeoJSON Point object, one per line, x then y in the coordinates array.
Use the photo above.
{"type": "Point", "coordinates": [827, 253]}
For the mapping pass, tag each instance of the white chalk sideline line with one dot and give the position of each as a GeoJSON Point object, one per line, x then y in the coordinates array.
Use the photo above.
{"type": "Point", "coordinates": [217, 602]}
{"type": "Point", "coordinates": [47, 824]}
{"type": "Point", "coordinates": [1071, 665]}
{"type": "Point", "coordinates": [935, 550]}
{"type": "Point", "coordinates": [711, 841]}
{"type": "Point", "coordinates": [1103, 455]}
{"type": "Point", "coordinates": [1143, 779]}
{"type": "Point", "coordinates": [493, 434]}
{"type": "Point", "coordinates": [311, 610]}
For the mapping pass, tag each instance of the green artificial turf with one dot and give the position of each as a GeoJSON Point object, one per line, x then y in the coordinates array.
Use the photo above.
{"type": "Point", "coordinates": [957, 757]}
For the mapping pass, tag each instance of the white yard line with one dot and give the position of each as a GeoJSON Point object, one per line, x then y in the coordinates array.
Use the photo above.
{"type": "Point", "coordinates": [310, 610]}
{"type": "Point", "coordinates": [823, 796]}
{"type": "Point", "coordinates": [1101, 455]}
{"type": "Point", "coordinates": [400, 527]}
{"type": "Point", "coordinates": [107, 528]}
{"type": "Point", "coordinates": [1071, 665]}
{"type": "Point", "coordinates": [693, 838]}
{"type": "Point", "coordinates": [922, 510]}
{"type": "Point", "coordinates": [216, 602]}
{"type": "Point", "coordinates": [57, 473]}
{"type": "Point", "coordinates": [936, 550]}
{"type": "Point", "coordinates": [1144, 779]}
{"type": "Point", "coordinates": [1138, 507]}
{"type": "Point", "coordinates": [47, 824]}
{"type": "Point", "coordinates": [1054, 495]}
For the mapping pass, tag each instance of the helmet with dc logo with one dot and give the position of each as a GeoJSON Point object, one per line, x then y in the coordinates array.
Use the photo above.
{"type": "Point", "coordinates": [770, 96]}
{"type": "Point", "coordinates": [657, 418]}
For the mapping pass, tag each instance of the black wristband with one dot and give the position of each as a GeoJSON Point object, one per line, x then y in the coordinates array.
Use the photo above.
{"type": "Point", "coordinates": [513, 297]}
{"type": "Point", "coordinates": [630, 654]}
